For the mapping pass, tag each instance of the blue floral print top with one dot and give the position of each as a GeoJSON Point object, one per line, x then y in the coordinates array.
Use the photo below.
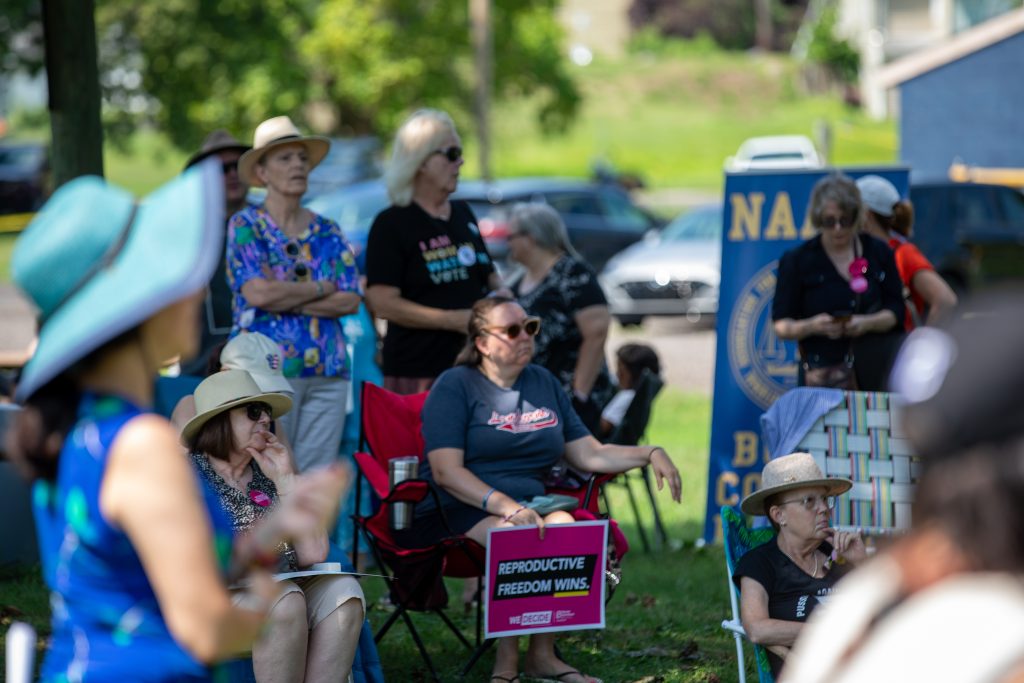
{"type": "Point", "coordinates": [107, 624]}
{"type": "Point", "coordinates": [311, 346]}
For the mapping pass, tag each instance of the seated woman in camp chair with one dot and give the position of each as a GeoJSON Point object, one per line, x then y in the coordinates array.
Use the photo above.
{"type": "Point", "coordinates": [783, 580]}
{"type": "Point", "coordinates": [494, 426]}
{"type": "Point", "coordinates": [315, 621]}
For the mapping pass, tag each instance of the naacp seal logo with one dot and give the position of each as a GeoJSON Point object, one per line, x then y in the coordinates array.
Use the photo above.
{"type": "Point", "coordinates": [762, 365]}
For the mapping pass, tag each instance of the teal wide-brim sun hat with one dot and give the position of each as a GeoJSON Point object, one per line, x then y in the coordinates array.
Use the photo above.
{"type": "Point", "coordinates": [96, 264]}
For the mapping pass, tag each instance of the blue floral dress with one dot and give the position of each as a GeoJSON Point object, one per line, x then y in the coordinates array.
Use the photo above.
{"type": "Point", "coordinates": [107, 625]}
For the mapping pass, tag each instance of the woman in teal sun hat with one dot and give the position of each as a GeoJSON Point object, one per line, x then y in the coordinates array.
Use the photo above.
{"type": "Point", "coordinates": [136, 551]}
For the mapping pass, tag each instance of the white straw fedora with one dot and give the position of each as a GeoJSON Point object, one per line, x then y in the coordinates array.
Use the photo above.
{"type": "Point", "coordinates": [276, 132]}
{"type": "Point", "coordinates": [229, 389]}
{"type": "Point", "coordinates": [793, 471]}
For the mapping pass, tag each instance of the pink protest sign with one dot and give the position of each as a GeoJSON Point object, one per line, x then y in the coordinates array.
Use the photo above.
{"type": "Point", "coordinates": [535, 586]}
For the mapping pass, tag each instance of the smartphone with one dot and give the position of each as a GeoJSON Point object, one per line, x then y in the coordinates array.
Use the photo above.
{"type": "Point", "coordinates": [842, 316]}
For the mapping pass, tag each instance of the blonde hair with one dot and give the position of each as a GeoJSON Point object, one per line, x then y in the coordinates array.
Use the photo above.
{"type": "Point", "coordinates": [419, 137]}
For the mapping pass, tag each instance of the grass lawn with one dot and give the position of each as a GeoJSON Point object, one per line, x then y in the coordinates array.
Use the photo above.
{"type": "Point", "coordinates": [662, 624]}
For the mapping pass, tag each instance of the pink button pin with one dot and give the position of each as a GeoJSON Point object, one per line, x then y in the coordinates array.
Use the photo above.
{"type": "Point", "coordinates": [260, 498]}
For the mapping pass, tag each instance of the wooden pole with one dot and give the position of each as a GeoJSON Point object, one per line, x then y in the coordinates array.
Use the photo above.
{"type": "Point", "coordinates": [764, 36]}
{"type": "Point", "coordinates": [483, 50]}
{"type": "Point", "coordinates": [69, 31]}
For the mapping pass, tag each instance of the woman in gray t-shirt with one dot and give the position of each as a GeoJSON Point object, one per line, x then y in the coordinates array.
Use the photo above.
{"type": "Point", "coordinates": [494, 426]}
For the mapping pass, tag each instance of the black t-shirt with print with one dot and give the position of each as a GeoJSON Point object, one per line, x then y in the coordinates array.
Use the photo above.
{"type": "Point", "coordinates": [570, 286]}
{"type": "Point", "coordinates": [436, 263]}
{"type": "Point", "coordinates": [792, 593]}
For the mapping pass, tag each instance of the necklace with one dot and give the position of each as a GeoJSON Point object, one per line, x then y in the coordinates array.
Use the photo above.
{"type": "Point", "coordinates": [814, 574]}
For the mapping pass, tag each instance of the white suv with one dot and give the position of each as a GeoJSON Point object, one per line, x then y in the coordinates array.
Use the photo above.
{"type": "Point", "coordinates": [775, 151]}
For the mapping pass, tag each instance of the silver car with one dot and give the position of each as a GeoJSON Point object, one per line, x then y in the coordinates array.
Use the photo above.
{"type": "Point", "coordinates": [674, 272]}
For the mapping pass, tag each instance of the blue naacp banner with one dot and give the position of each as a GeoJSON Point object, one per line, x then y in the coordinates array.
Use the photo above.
{"type": "Point", "coordinates": [765, 215]}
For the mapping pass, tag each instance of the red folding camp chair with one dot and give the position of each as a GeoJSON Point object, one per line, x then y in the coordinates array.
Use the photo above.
{"type": "Point", "coordinates": [391, 429]}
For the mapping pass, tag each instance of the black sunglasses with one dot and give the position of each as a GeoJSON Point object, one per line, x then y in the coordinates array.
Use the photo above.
{"type": "Point", "coordinates": [255, 410]}
{"type": "Point", "coordinates": [844, 222]}
{"type": "Point", "coordinates": [229, 166]}
{"type": "Point", "coordinates": [452, 154]}
{"type": "Point", "coordinates": [531, 326]}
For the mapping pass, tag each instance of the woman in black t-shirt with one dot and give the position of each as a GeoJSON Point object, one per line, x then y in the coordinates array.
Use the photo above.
{"type": "Point", "coordinates": [782, 581]}
{"type": "Point", "coordinates": [561, 289]}
{"type": "Point", "coordinates": [425, 260]}
{"type": "Point", "coordinates": [839, 293]}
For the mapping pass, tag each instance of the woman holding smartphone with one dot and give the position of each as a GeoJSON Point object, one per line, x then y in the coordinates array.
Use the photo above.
{"type": "Point", "coordinates": [839, 295]}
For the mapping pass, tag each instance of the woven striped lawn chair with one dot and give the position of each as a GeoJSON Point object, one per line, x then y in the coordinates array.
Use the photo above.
{"type": "Point", "coordinates": [860, 439]}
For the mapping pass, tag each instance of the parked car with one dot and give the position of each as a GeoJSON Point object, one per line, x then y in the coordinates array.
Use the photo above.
{"type": "Point", "coordinates": [973, 233]}
{"type": "Point", "coordinates": [24, 177]}
{"type": "Point", "coordinates": [353, 208]}
{"type": "Point", "coordinates": [775, 151]}
{"type": "Point", "coordinates": [600, 217]}
{"type": "Point", "coordinates": [348, 161]}
{"type": "Point", "coordinates": [674, 272]}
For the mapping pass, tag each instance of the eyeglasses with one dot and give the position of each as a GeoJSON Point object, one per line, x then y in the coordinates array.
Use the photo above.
{"type": "Point", "coordinates": [452, 154]}
{"type": "Point", "coordinates": [229, 166]}
{"type": "Point", "coordinates": [255, 410]}
{"type": "Point", "coordinates": [531, 326]}
{"type": "Point", "coordinates": [811, 502]}
{"type": "Point", "coordinates": [844, 222]}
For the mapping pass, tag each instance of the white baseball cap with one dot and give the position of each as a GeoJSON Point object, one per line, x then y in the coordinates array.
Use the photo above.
{"type": "Point", "coordinates": [878, 194]}
{"type": "Point", "coordinates": [260, 356]}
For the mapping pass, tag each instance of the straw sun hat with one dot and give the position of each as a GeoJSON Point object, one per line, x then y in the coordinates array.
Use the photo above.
{"type": "Point", "coordinates": [273, 133]}
{"type": "Point", "coordinates": [229, 389]}
{"type": "Point", "coordinates": [793, 471]}
{"type": "Point", "coordinates": [96, 263]}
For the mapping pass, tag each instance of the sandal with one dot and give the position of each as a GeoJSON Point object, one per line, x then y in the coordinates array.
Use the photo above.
{"type": "Point", "coordinates": [560, 678]}
{"type": "Point", "coordinates": [504, 679]}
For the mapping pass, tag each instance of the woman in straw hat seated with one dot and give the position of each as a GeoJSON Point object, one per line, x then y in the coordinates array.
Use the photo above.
{"type": "Point", "coordinates": [316, 620]}
{"type": "Point", "coordinates": [293, 276]}
{"type": "Point", "coordinates": [137, 552]}
{"type": "Point", "coordinates": [783, 580]}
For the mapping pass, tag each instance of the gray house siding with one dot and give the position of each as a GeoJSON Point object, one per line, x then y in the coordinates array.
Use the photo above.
{"type": "Point", "coordinates": [971, 109]}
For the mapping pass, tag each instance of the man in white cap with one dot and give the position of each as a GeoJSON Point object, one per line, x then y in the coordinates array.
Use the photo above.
{"type": "Point", "coordinates": [215, 320]}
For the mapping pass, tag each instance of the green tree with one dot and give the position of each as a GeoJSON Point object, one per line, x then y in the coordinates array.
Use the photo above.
{"type": "Point", "coordinates": [192, 65]}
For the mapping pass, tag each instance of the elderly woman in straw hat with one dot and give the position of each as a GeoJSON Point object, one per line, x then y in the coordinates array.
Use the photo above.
{"type": "Point", "coordinates": [316, 620]}
{"type": "Point", "coordinates": [118, 511]}
{"type": "Point", "coordinates": [782, 581]}
{"type": "Point", "coordinates": [426, 263]}
{"type": "Point", "coordinates": [293, 275]}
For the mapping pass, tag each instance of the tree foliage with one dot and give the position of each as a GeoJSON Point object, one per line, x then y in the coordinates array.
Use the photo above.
{"type": "Point", "coordinates": [346, 66]}
{"type": "Point", "coordinates": [833, 53]}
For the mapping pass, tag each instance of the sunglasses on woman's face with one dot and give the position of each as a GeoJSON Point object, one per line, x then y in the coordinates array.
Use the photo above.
{"type": "Point", "coordinates": [828, 222]}
{"type": "Point", "coordinates": [531, 326]}
{"type": "Point", "coordinates": [452, 154]}
{"type": "Point", "coordinates": [255, 410]}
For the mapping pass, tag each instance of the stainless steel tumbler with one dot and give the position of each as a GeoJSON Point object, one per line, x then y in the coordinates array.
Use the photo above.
{"type": "Point", "coordinates": [399, 469]}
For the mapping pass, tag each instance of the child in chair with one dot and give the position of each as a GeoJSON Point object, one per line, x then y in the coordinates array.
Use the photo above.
{"type": "Point", "coordinates": [630, 362]}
